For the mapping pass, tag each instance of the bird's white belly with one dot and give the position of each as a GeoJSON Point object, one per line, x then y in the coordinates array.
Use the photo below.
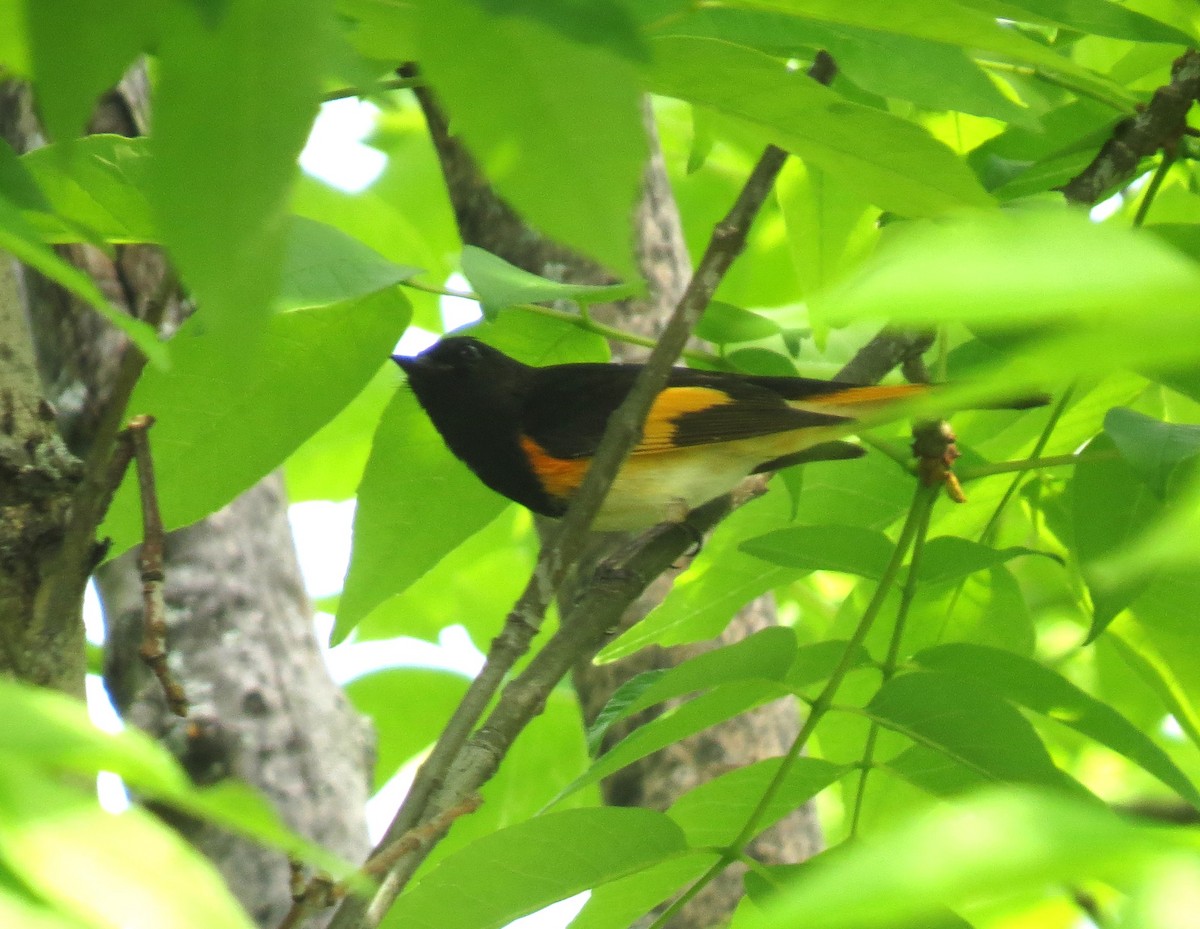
{"type": "Point", "coordinates": [651, 489]}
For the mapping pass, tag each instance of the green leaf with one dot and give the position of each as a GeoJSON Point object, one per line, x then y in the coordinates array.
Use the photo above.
{"type": "Point", "coordinates": [227, 414]}
{"type": "Point", "coordinates": [1158, 639]}
{"type": "Point", "coordinates": [1005, 268]}
{"type": "Point", "coordinates": [490, 568]}
{"type": "Point", "coordinates": [79, 50]}
{"type": "Point", "coordinates": [49, 729]}
{"type": "Point", "coordinates": [877, 61]}
{"type": "Point", "coordinates": [830, 225]}
{"type": "Point", "coordinates": [98, 183]}
{"type": "Point", "coordinates": [18, 907]}
{"type": "Point", "coordinates": [416, 503]}
{"type": "Point", "coordinates": [1095, 16]}
{"type": "Point", "coordinates": [968, 724]}
{"type": "Point", "coordinates": [555, 124]}
{"type": "Point", "coordinates": [848, 549]}
{"type": "Point", "coordinates": [713, 814]}
{"type": "Point", "coordinates": [322, 265]}
{"type": "Point", "coordinates": [719, 582]}
{"type": "Point", "coordinates": [525, 867]}
{"type": "Point", "coordinates": [948, 79]}
{"type": "Point", "coordinates": [716, 706]}
{"type": "Point", "coordinates": [52, 732]}
{"type": "Point", "coordinates": [500, 284]}
{"type": "Point", "coordinates": [606, 23]}
{"type": "Point", "coordinates": [233, 107]}
{"type": "Point", "coordinates": [400, 737]}
{"type": "Point", "coordinates": [620, 903]}
{"type": "Point", "coordinates": [1040, 689]}
{"type": "Point", "coordinates": [1110, 506]}
{"type": "Point", "coordinates": [869, 491]}
{"type": "Point", "coordinates": [14, 42]}
{"type": "Point", "coordinates": [539, 340]}
{"type": "Point", "coordinates": [127, 870]}
{"type": "Point", "coordinates": [329, 465]}
{"type": "Point", "coordinates": [952, 25]}
{"type": "Point", "coordinates": [618, 705]}
{"type": "Point", "coordinates": [1154, 450]}
{"type": "Point", "coordinates": [766, 655]}
{"type": "Point", "coordinates": [976, 850]}
{"type": "Point", "coordinates": [934, 772]}
{"type": "Point", "coordinates": [817, 662]}
{"type": "Point", "coordinates": [20, 238]}
{"type": "Point", "coordinates": [904, 169]}
{"type": "Point", "coordinates": [949, 559]}
{"type": "Point", "coordinates": [723, 323]}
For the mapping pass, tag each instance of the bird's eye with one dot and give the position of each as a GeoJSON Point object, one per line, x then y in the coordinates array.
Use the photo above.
{"type": "Point", "coordinates": [469, 351]}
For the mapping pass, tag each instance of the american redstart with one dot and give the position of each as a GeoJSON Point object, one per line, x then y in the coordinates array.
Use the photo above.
{"type": "Point", "coordinates": [530, 433]}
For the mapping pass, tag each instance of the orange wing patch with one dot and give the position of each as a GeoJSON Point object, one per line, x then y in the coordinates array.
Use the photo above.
{"type": "Point", "coordinates": [659, 432]}
{"type": "Point", "coordinates": [864, 395]}
{"type": "Point", "coordinates": [559, 477]}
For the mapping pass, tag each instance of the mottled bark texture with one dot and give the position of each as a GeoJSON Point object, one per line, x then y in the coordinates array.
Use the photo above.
{"type": "Point", "coordinates": [264, 710]}
{"type": "Point", "coordinates": [487, 221]}
{"type": "Point", "coordinates": [240, 634]}
{"type": "Point", "coordinates": [39, 641]}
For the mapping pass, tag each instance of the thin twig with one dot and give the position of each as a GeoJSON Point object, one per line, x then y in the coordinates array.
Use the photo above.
{"type": "Point", "coordinates": [150, 562]}
{"type": "Point", "coordinates": [321, 891]}
{"type": "Point", "coordinates": [422, 836]}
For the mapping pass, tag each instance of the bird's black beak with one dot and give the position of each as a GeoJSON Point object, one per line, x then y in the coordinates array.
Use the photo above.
{"type": "Point", "coordinates": [406, 363]}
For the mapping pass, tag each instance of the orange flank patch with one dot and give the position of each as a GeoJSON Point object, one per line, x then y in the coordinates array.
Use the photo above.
{"type": "Point", "coordinates": [559, 477]}
{"type": "Point", "coordinates": [659, 433]}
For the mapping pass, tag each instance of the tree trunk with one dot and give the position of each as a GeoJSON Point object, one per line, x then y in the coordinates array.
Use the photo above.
{"type": "Point", "coordinates": [240, 636]}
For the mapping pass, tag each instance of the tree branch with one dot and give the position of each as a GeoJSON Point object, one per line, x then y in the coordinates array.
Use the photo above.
{"type": "Point", "coordinates": [568, 542]}
{"type": "Point", "coordinates": [1159, 126]}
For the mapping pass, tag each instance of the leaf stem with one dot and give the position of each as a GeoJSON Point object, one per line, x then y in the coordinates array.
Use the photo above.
{"type": "Point", "coordinates": [1160, 174]}
{"type": "Point", "coordinates": [345, 93]}
{"type": "Point", "coordinates": [891, 660]}
{"type": "Point", "coordinates": [1030, 464]}
{"type": "Point", "coordinates": [922, 502]}
{"type": "Point", "coordinates": [993, 525]}
{"type": "Point", "coordinates": [581, 320]}
{"type": "Point", "coordinates": [1120, 104]}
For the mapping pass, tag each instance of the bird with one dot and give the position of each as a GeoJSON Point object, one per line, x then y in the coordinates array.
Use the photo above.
{"type": "Point", "coordinates": [529, 433]}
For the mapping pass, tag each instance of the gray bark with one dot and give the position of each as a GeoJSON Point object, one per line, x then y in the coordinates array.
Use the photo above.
{"type": "Point", "coordinates": [264, 709]}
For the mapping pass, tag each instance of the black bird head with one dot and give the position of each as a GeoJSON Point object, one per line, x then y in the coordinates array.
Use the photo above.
{"type": "Point", "coordinates": [464, 373]}
{"type": "Point", "coordinates": [474, 395]}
